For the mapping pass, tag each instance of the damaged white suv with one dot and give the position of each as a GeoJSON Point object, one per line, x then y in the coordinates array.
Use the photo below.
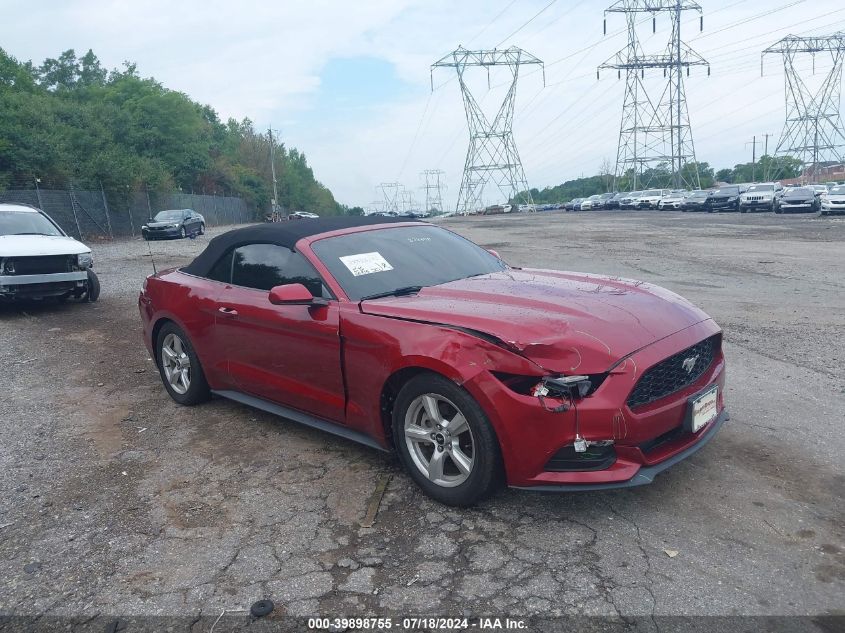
{"type": "Point", "coordinates": [39, 260]}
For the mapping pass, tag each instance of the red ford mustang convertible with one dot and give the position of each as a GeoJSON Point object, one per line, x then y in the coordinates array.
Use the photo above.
{"type": "Point", "coordinates": [408, 337]}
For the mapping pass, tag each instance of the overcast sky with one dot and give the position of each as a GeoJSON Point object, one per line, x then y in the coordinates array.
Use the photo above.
{"type": "Point", "coordinates": [348, 82]}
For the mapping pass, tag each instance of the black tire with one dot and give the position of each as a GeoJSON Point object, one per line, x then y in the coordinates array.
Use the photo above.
{"type": "Point", "coordinates": [183, 233]}
{"type": "Point", "coordinates": [202, 228]}
{"type": "Point", "coordinates": [487, 470]}
{"type": "Point", "coordinates": [198, 390]}
{"type": "Point", "coordinates": [92, 292]}
{"type": "Point", "coordinates": [145, 236]}
{"type": "Point", "coordinates": [743, 210]}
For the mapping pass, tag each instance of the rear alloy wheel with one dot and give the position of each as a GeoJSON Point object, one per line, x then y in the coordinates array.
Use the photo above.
{"type": "Point", "coordinates": [179, 367]}
{"type": "Point", "coordinates": [183, 233]}
{"type": "Point", "coordinates": [445, 441]}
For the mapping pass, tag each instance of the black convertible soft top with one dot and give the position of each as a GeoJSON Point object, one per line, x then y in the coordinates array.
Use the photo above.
{"type": "Point", "coordinates": [285, 234]}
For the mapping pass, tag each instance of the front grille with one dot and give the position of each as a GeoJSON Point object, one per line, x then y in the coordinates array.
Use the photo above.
{"type": "Point", "coordinates": [44, 265]}
{"type": "Point", "coordinates": [670, 375]}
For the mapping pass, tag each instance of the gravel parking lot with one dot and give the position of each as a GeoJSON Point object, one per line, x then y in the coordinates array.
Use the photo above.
{"type": "Point", "coordinates": [116, 501]}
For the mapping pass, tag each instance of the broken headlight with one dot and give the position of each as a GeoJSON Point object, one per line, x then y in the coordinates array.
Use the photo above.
{"type": "Point", "coordinates": [84, 261]}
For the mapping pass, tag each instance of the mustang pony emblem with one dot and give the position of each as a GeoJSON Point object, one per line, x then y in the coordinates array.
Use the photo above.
{"type": "Point", "coordinates": [689, 363]}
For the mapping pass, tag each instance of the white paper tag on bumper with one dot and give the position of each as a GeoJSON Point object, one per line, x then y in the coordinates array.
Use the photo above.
{"type": "Point", "coordinates": [366, 263]}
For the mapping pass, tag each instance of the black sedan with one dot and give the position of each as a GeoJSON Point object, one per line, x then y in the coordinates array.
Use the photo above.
{"type": "Point", "coordinates": [801, 200]}
{"type": "Point", "coordinates": [174, 223]}
{"type": "Point", "coordinates": [723, 199]}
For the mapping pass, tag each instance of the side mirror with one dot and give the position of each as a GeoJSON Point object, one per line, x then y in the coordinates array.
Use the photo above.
{"type": "Point", "coordinates": [494, 253]}
{"type": "Point", "coordinates": [294, 294]}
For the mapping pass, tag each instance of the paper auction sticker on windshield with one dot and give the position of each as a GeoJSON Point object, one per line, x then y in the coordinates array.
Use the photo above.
{"type": "Point", "coordinates": [366, 263]}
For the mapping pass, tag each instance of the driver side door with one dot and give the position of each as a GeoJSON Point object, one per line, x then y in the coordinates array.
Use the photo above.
{"type": "Point", "coordinates": [289, 354]}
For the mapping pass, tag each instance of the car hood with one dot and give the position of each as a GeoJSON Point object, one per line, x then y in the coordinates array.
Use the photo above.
{"type": "Point", "coordinates": [797, 199]}
{"type": "Point", "coordinates": [35, 245]}
{"type": "Point", "coordinates": [157, 225]}
{"type": "Point", "coordinates": [564, 322]}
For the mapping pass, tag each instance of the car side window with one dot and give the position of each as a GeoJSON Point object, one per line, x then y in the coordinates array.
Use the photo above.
{"type": "Point", "coordinates": [263, 266]}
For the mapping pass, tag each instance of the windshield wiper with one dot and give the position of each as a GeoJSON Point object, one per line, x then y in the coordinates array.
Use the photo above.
{"type": "Point", "coordinates": [397, 292]}
{"type": "Point", "coordinates": [29, 234]}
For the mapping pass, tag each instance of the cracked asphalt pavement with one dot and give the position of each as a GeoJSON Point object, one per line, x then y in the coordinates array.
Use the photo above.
{"type": "Point", "coordinates": [116, 501]}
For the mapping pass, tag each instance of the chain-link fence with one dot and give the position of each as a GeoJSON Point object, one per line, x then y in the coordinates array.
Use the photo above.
{"type": "Point", "coordinates": [108, 214]}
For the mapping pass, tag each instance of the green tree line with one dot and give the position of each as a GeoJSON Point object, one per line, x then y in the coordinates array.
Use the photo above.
{"type": "Point", "coordinates": [71, 120]}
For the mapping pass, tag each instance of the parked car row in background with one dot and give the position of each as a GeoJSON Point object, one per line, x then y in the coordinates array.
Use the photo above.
{"type": "Point", "coordinates": [744, 198]}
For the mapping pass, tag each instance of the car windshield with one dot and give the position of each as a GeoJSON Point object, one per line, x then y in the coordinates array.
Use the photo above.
{"type": "Point", "coordinates": [26, 223]}
{"type": "Point", "coordinates": [801, 193]}
{"type": "Point", "coordinates": [727, 191]}
{"type": "Point", "coordinates": [761, 188]}
{"type": "Point", "coordinates": [164, 216]}
{"type": "Point", "coordinates": [385, 260]}
{"type": "Point", "coordinates": [653, 192]}
{"type": "Point", "coordinates": [698, 194]}
{"type": "Point", "coordinates": [635, 194]}
{"type": "Point", "coordinates": [839, 191]}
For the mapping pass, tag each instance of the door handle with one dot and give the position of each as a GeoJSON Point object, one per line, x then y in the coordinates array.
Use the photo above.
{"type": "Point", "coordinates": [231, 312]}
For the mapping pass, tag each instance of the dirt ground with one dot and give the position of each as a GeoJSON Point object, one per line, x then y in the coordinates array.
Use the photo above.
{"type": "Point", "coordinates": [116, 501]}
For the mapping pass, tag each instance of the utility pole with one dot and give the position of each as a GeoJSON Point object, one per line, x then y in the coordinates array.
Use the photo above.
{"type": "Point", "coordinates": [648, 122]}
{"type": "Point", "coordinates": [813, 130]}
{"type": "Point", "coordinates": [274, 210]}
{"type": "Point", "coordinates": [767, 168]}
{"type": "Point", "coordinates": [753, 145]}
{"type": "Point", "coordinates": [492, 156]}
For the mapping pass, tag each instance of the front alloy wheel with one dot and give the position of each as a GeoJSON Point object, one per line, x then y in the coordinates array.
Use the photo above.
{"type": "Point", "coordinates": [445, 441]}
{"type": "Point", "coordinates": [439, 440]}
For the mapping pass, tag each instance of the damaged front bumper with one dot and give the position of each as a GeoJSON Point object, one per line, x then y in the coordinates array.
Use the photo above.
{"type": "Point", "coordinates": [628, 446]}
{"type": "Point", "coordinates": [41, 285]}
{"type": "Point", "coordinates": [643, 474]}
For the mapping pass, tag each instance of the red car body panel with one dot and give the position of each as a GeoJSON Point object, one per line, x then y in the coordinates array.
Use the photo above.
{"type": "Point", "coordinates": [335, 361]}
{"type": "Point", "coordinates": [565, 322]}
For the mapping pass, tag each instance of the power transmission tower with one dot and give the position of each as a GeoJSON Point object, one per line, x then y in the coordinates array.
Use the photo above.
{"type": "Point", "coordinates": [433, 191]}
{"type": "Point", "coordinates": [392, 195]}
{"type": "Point", "coordinates": [491, 156]}
{"type": "Point", "coordinates": [655, 132]}
{"type": "Point", "coordinates": [813, 131]}
{"type": "Point", "coordinates": [408, 202]}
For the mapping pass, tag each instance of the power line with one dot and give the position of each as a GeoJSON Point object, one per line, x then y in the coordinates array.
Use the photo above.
{"type": "Point", "coordinates": [533, 17]}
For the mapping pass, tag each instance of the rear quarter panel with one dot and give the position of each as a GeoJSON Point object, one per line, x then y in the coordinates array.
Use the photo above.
{"type": "Point", "coordinates": [191, 303]}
